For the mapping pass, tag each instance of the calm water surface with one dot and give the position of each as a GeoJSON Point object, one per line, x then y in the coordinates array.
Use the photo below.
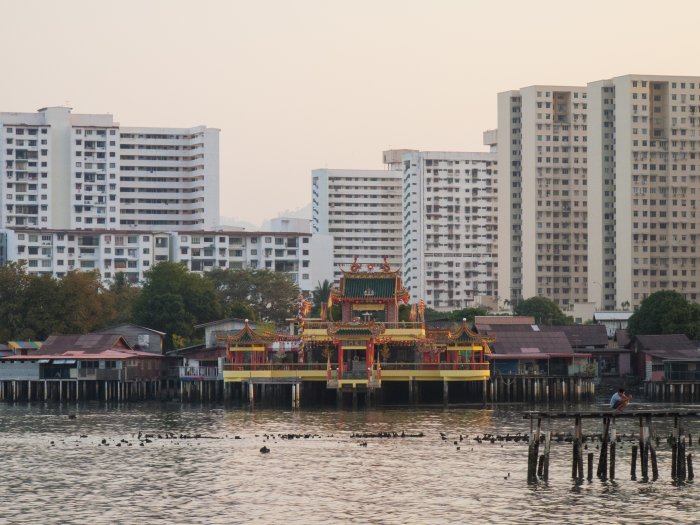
{"type": "Point", "coordinates": [326, 478]}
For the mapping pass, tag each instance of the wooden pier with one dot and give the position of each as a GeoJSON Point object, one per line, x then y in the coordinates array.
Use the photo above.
{"type": "Point", "coordinates": [681, 463]}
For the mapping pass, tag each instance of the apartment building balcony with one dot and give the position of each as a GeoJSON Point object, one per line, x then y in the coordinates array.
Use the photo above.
{"type": "Point", "coordinates": [176, 164]}
{"type": "Point", "coordinates": [165, 141]}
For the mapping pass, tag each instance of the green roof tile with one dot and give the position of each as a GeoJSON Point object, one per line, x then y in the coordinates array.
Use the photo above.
{"type": "Point", "coordinates": [369, 288]}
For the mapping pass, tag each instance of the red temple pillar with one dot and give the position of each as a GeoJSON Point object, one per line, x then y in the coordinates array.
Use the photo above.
{"type": "Point", "coordinates": [369, 358]}
{"type": "Point", "coordinates": [340, 360]}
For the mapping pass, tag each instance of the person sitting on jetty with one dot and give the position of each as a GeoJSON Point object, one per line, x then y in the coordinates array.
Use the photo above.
{"type": "Point", "coordinates": [619, 400]}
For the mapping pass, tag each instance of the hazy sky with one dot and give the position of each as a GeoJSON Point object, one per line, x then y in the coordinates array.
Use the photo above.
{"type": "Point", "coordinates": [300, 84]}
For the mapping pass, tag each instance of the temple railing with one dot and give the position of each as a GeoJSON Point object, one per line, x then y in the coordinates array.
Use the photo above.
{"type": "Point", "coordinates": [195, 372]}
{"type": "Point", "coordinates": [245, 367]}
{"type": "Point", "coordinates": [435, 366]}
{"type": "Point", "coordinates": [315, 325]}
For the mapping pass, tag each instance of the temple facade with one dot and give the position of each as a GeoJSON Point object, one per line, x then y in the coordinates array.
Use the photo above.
{"type": "Point", "coordinates": [368, 335]}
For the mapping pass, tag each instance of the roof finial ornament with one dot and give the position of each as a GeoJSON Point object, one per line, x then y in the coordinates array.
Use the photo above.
{"type": "Point", "coordinates": [355, 266]}
{"type": "Point", "coordinates": [385, 265]}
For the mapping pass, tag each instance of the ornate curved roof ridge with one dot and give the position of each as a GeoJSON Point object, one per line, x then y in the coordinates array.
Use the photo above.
{"type": "Point", "coordinates": [465, 334]}
{"type": "Point", "coordinates": [248, 335]}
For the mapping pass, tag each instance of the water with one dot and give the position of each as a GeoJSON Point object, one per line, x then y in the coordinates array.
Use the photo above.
{"type": "Point", "coordinates": [326, 479]}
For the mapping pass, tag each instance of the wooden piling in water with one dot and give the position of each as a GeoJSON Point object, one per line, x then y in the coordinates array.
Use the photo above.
{"type": "Point", "coordinates": [533, 450]}
{"type": "Point", "coordinates": [590, 466]}
{"type": "Point", "coordinates": [633, 467]}
{"type": "Point", "coordinates": [547, 447]}
{"type": "Point", "coordinates": [577, 468]}
{"type": "Point", "coordinates": [691, 475]}
{"type": "Point", "coordinates": [603, 458]}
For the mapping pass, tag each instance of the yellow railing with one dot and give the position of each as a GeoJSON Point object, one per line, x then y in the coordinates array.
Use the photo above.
{"type": "Point", "coordinates": [316, 325]}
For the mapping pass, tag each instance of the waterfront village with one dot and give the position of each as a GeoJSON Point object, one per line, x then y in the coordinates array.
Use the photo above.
{"type": "Point", "coordinates": [367, 356]}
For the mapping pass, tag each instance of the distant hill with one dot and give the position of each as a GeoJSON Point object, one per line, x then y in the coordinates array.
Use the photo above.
{"type": "Point", "coordinates": [299, 213]}
{"type": "Point", "coordinates": [233, 221]}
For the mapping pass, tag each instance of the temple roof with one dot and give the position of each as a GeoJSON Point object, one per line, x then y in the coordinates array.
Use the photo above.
{"type": "Point", "coordinates": [368, 286]}
{"type": "Point", "coordinates": [465, 335]}
{"type": "Point", "coordinates": [248, 336]}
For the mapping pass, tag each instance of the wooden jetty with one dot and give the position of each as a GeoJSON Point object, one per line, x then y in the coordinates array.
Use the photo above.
{"type": "Point", "coordinates": [681, 463]}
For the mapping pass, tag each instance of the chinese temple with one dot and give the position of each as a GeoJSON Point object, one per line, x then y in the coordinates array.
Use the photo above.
{"type": "Point", "coordinates": [378, 338]}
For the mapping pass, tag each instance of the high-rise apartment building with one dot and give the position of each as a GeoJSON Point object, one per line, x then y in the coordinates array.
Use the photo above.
{"type": "Point", "coordinates": [64, 170]}
{"type": "Point", "coordinates": [361, 210]}
{"type": "Point", "coordinates": [644, 184]}
{"type": "Point", "coordinates": [543, 194]}
{"type": "Point", "coordinates": [169, 177]}
{"type": "Point", "coordinates": [450, 229]}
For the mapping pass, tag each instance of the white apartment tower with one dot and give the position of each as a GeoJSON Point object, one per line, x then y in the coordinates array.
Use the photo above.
{"type": "Point", "coordinates": [542, 159]}
{"type": "Point", "coordinates": [450, 228]}
{"type": "Point", "coordinates": [64, 170]}
{"type": "Point", "coordinates": [644, 184]}
{"type": "Point", "coordinates": [361, 210]}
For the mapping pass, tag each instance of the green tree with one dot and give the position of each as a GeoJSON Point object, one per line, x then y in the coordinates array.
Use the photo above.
{"type": "Point", "coordinates": [173, 300]}
{"type": "Point", "coordinates": [320, 296]}
{"type": "Point", "coordinates": [270, 295]}
{"type": "Point", "coordinates": [467, 313]}
{"type": "Point", "coordinates": [14, 281]}
{"type": "Point", "coordinates": [666, 312]}
{"type": "Point", "coordinates": [545, 311]}
{"type": "Point", "coordinates": [43, 310]}
{"type": "Point", "coordinates": [124, 295]}
{"type": "Point", "coordinates": [83, 304]}
{"type": "Point", "coordinates": [455, 315]}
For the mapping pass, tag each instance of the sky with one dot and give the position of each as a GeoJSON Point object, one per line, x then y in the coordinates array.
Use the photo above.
{"type": "Point", "coordinates": [296, 85]}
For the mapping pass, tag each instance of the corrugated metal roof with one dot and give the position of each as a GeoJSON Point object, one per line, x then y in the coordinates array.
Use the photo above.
{"type": "Point", "coordinates": [612, 316]}
{"type": "Point", "coordinates": [622, 337]}
{"type": "Point", "coordinates": [504, 319]}
{"type": "Point", "coordinates": [670, 346]}
{"type": "Point", "coordinates": [485, 328]}
{"type": "Point", "coordinates": [581, 336]}
{"type": "Point", "coordinates": [84, 343]}
{"type": "Point", "coordinates": [24, 345]}
{"type": "Point", "coordinates": [116, 329]}
{"type": "Point", "coordinates": [526, 343]}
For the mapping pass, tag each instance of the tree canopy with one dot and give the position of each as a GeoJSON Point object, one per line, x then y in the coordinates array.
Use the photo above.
{"type": "Point", "coordinates": [545, 311]}
{"type": "Point", "coordinates": [269, 296]}
{"type": "Point", "coordinates": [455, 315]}
{"type": "Point", "coordinates": [320, 296]}
{"type": "Point", "coordinates": [173, 300]}
{"type": "Point", "coordinates": [666, 312]}
{"type": "Point", "coordinates": [36, 306]}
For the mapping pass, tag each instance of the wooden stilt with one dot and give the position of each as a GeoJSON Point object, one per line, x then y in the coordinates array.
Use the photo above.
{"type": "Point", "coordinates": [603, 459]}
{"type": "Point", "coordinates": [547, 447]}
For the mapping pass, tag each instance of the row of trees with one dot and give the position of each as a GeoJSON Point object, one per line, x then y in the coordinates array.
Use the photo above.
{"type": "Point", "coordinates": [171, 299]}
{"type": "Point", "coordinates": [663, 312]}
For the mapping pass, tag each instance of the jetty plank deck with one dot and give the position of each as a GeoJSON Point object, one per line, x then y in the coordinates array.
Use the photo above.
{"type": "Point", "coordinates": [681, 463]}
{"type": "Point", "coordinates": [608, 413]}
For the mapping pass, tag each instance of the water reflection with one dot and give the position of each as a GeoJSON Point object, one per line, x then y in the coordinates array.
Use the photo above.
{"type": "Point", "coordinates": [325, 477]}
